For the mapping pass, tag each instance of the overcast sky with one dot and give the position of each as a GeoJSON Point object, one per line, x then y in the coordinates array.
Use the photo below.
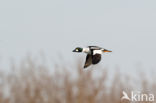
{"type": "Point", "coordinates": [127, 27]}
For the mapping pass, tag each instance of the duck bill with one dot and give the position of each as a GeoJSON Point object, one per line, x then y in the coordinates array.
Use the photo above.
{"type": "Point", "coordinates": [105, 50]}
{"type": "Point", "coordinates": [74, 50]}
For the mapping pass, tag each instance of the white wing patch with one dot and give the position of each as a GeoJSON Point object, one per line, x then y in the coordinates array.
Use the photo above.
{"type": "Point", "coordinates": [97, 52]}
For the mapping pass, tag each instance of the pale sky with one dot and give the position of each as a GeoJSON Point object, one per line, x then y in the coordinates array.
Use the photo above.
{"type": "Point", "coordinates": [127, 27]}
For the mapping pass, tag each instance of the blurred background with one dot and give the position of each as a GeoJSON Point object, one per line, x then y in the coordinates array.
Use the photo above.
{"type": "Point", "coordinates": [38, 36]}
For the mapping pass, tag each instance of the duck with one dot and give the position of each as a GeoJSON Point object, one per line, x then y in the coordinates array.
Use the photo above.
{"type": "Point", "coordinates": [93, 54]}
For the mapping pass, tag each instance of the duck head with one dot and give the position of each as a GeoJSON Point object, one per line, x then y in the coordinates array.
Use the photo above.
{"type": "Point", "coordinates": [78, 49]}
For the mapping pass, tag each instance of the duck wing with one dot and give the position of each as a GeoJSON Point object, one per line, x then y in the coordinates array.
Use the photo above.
{"type": "Point", "coordinates": [96, 58]}
{"type": "Point", "coordinates": [94, 47]}
{"type": "Point", "coordinates": [88, 61]}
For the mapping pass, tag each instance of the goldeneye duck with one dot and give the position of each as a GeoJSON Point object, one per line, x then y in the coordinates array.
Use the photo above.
{"type": "Point", "coordinates": [93, 54]}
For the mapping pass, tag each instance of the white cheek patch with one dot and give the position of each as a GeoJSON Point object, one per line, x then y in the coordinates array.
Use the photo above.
{"type": "Point", "coordinates": [77, 50]}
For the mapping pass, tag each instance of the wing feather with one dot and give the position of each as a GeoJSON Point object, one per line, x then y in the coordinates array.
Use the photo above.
{"type": "Point", "coordinates": [95, 47]}
{"type": "Point", "coordinates": [88, 60]}
{"type": "Point", "coordinates": [96, 58]}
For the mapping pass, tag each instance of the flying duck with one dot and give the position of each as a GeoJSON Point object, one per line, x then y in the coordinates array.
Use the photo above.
{"type": "Point", "coordinates": [93, 54]}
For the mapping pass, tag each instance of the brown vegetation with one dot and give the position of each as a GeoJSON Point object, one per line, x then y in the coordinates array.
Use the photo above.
{"type": "Point", "coordinates": [32, 82]}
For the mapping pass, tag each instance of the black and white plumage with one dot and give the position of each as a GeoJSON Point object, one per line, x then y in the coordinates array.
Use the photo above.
{"type": "Point", "coordinates": [93, 54]}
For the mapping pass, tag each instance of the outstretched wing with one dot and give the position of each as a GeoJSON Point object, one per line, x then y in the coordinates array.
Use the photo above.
{"type": "Point", "coordinates": [88, 60]}
{"type": "Point", "coordinates": [96, 58]}
{"type": "Point", "coordinates": [95, 47]}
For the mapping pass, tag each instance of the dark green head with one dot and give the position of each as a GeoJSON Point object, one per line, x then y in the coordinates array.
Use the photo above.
{"type": "Point", "coordinates": [78, 49]}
